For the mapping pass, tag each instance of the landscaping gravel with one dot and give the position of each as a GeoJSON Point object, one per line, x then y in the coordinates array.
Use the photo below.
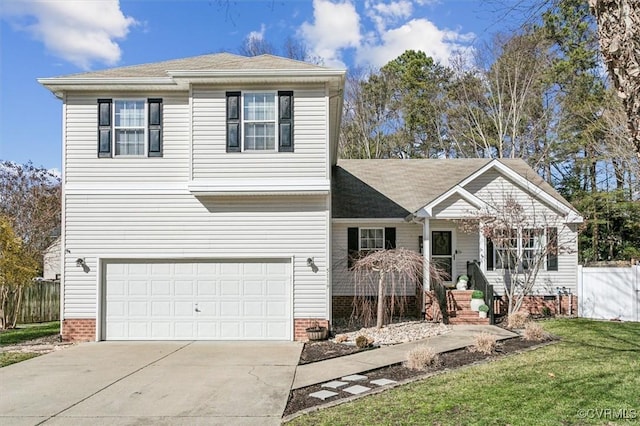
{"type": "Point", "coordinates": [393, 334]}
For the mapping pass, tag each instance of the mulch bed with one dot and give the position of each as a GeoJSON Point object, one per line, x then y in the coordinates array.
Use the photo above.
{"type": "Point", "coordinates": [299, 399]}
{"type": "Point", "coordinates": [327, 349]}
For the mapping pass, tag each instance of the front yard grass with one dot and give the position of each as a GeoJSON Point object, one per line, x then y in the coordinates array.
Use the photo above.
{"type": "Point", "coordinates": [22, 334]}
{"type": "Point", "coordinates": [591, 377]}
{"type": "Point", "coordinates": [25, 332]}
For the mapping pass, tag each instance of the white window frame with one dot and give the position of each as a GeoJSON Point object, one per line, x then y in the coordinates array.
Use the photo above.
{"type": "Point", "coordinates": [520, 248]}
{"type": "Point", "coordinates": [243, 120]}
{"type": "Point", "coordinates": [144, 127]}
{"type": "Point", "coordinates": [369, 249]}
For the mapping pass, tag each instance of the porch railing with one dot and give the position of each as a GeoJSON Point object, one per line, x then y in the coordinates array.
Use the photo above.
{"type": "Point", "coordinates": [479, 282]}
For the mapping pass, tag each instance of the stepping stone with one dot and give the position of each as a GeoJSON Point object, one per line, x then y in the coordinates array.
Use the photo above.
{"type": "Point", "coordinates": [357, 389]}
{"type": "Point", "coordinates": [383, 382]}
{"type": "Point", "coordinates": [323, 394]}
{"type": "Point", "coordinates": [335, 384]}
{"type": "Point", "coordinates": [354, 378]}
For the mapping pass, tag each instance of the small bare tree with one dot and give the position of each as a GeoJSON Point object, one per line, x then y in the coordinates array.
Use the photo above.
{"type": "Point", "coordinates": [522, 239]}
{"type": "Point", "coordinates": [396, 273]}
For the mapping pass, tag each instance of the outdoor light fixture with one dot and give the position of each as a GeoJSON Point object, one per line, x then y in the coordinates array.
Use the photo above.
{"type": "Point", "coordinates": [311, 264]}
{"type": "Point", "coordinates": [80, 262]}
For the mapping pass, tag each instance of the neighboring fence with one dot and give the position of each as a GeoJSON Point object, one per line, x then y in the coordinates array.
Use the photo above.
{"type": "Point", "coordinates": [609, 293]}
{"type": "Point", "coordinates": [40, 302]}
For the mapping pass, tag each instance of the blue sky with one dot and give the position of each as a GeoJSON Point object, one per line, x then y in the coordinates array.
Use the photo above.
{"type": "Point", "coordinates": [56, 37]}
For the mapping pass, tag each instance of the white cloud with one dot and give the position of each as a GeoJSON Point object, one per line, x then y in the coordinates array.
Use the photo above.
{"type": "Point", "coordinates": [257, 35]}
{"type": "Point", "coordinates": [336, 26]}
{"type": "Point", "coordinates": [81, 32]}
{"type": "Point", "coordinates": [416, 34]}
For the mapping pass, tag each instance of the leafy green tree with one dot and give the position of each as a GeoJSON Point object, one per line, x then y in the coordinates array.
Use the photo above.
{"type": "Point", "coordinates": [17, 269]}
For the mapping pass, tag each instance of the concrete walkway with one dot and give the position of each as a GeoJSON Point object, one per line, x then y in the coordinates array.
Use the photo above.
{"type": "Point", "coordinates": [459, 337]}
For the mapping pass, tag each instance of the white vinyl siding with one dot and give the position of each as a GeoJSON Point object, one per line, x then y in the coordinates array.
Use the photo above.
{"type": "Point", "coordinates": [82, 164]}
{"type": "Point", "coordinates": [212, 161]}
{"type": "Point", "coordinates": [343, 285]}
{"type": "Point", "coordinates": [454, 207]}
{"type": "Point", "coordinates": [181, 226]}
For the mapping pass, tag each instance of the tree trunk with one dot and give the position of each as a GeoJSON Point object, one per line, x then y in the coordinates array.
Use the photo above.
{"type": "Point", "coordinates": [380, 315]}
{"type": "Point", "coordinates": [618, 23]}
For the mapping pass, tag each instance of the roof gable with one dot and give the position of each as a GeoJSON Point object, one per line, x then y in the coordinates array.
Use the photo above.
{"type": "Point", "coordinates": [216, 61]}
{"type": "Point", "coordinates": [420, 185]}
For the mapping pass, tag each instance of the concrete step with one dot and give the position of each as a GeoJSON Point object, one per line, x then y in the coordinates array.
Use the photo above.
{"type": "Point", "coordinates": [469, 321]}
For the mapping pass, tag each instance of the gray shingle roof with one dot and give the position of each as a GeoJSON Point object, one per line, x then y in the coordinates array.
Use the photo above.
{"type": "Point", "coordinates": [396, 188]}
{"type": "Point", "coordinates": [216, 61]}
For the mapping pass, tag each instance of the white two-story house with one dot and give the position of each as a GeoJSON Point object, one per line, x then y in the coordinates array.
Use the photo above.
{"type": "Point", "coordinates": [198, 196]}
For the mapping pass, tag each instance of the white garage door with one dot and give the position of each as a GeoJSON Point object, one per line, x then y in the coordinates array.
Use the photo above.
{"type": "Point", "coordinates": [206, 300]}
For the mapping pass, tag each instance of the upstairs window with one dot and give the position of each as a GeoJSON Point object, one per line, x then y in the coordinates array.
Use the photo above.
{"type": "Point", "coordinates": [260, 121]}
{"type": "Point", "coordinates": [129, 128]}
{"type": "Point", "coordinates": [259, 116]}
{"type": "Point", "coordinates": [128, 124]}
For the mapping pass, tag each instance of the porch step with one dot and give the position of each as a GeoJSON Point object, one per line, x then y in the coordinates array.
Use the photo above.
{"type": "Point", "coordinates": [468, 321]}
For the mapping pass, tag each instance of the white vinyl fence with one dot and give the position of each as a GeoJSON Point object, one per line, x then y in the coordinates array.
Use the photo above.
{"type": "Point", "coordinates": [609, 293]}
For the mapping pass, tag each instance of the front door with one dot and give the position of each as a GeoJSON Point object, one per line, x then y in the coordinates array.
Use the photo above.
{"type": "Point", "coordinates": [442, 253]}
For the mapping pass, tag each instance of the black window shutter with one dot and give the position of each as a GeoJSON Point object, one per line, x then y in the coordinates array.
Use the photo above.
{"type": "Point", "coordinates": [233, 122]}
{"type": "Point", "coordinates": [352, 246]}
{"type": "Point", "coordinates": [552, 249]}
{"type": "Point", "coordinates": [104, 128]}
{"type": "Point", "coordinates": [285, 121]}
{"type": "Point", "coordinates": [389, 238]}
{"type": "Point", "coordinates": [155, 127]}
{"type": "Point", "coordinates": [489, 254]}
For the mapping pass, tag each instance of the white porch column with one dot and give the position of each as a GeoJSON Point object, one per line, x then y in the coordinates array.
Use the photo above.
{"type": "Point", "coordinates": [426, 254]}
{"type": "Point", "coordinates": [482, 256]}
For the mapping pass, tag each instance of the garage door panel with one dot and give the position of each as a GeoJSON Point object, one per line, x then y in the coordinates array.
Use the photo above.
{"type": "Point", "coordinates": [161, 308]}
{"type": "Point", "coordinates": [230, 287]}
{"type": "Point", "coordinates": [164, 300]}
{"type": "Point", "coordinates": [206, 288]}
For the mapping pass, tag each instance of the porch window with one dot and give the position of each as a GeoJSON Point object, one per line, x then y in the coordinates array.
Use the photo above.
{"type": "Point", "coordinates": [522, 248]}
{"type": "Point", "coordinates": [371, 239]}
{"type": "Point", "coordinates": [362, 241]}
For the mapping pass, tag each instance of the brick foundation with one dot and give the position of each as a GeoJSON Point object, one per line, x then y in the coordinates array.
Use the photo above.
{"type": "Point", "coordinates": [79, 330]}
{"type": "Point", "coordinates": [301, 324]}
{"type": "Point", "coordinates": [535, 305]}
{"type": "Point", "coordinates": [342, 306]}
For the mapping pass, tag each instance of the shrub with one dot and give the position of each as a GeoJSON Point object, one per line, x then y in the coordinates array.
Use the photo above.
{"type": "Point", "coordinates": [533, 331]}
{"type": "Point", "coordinates": [518, 319]}
{"type": "Point", "coordinates": [483, 308]}
{"type": "Point", "coordinates": [421, 358]}
{"type": "Point", "coordinates": [477, 294]}
{"type": "Point", "coordinates": [363, 341]}
{"type": "Point", "coordinates": [341, 338]}
{"type": "Point", "coordinates": [546, 311]}
{"type": "Point", "coordinates": [484, 343]}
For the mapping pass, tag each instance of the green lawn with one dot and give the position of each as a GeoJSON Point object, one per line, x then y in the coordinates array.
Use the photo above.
{"type": "Point", "coordinates": [591, 377]}
{"type": "Point", "coordinates": [26, 332]}
{"type": "Point", "coordinates": [23, 333]}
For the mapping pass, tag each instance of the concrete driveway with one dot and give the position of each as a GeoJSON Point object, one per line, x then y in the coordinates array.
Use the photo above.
{"type": "Point", "coordinates": [154, 383]}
